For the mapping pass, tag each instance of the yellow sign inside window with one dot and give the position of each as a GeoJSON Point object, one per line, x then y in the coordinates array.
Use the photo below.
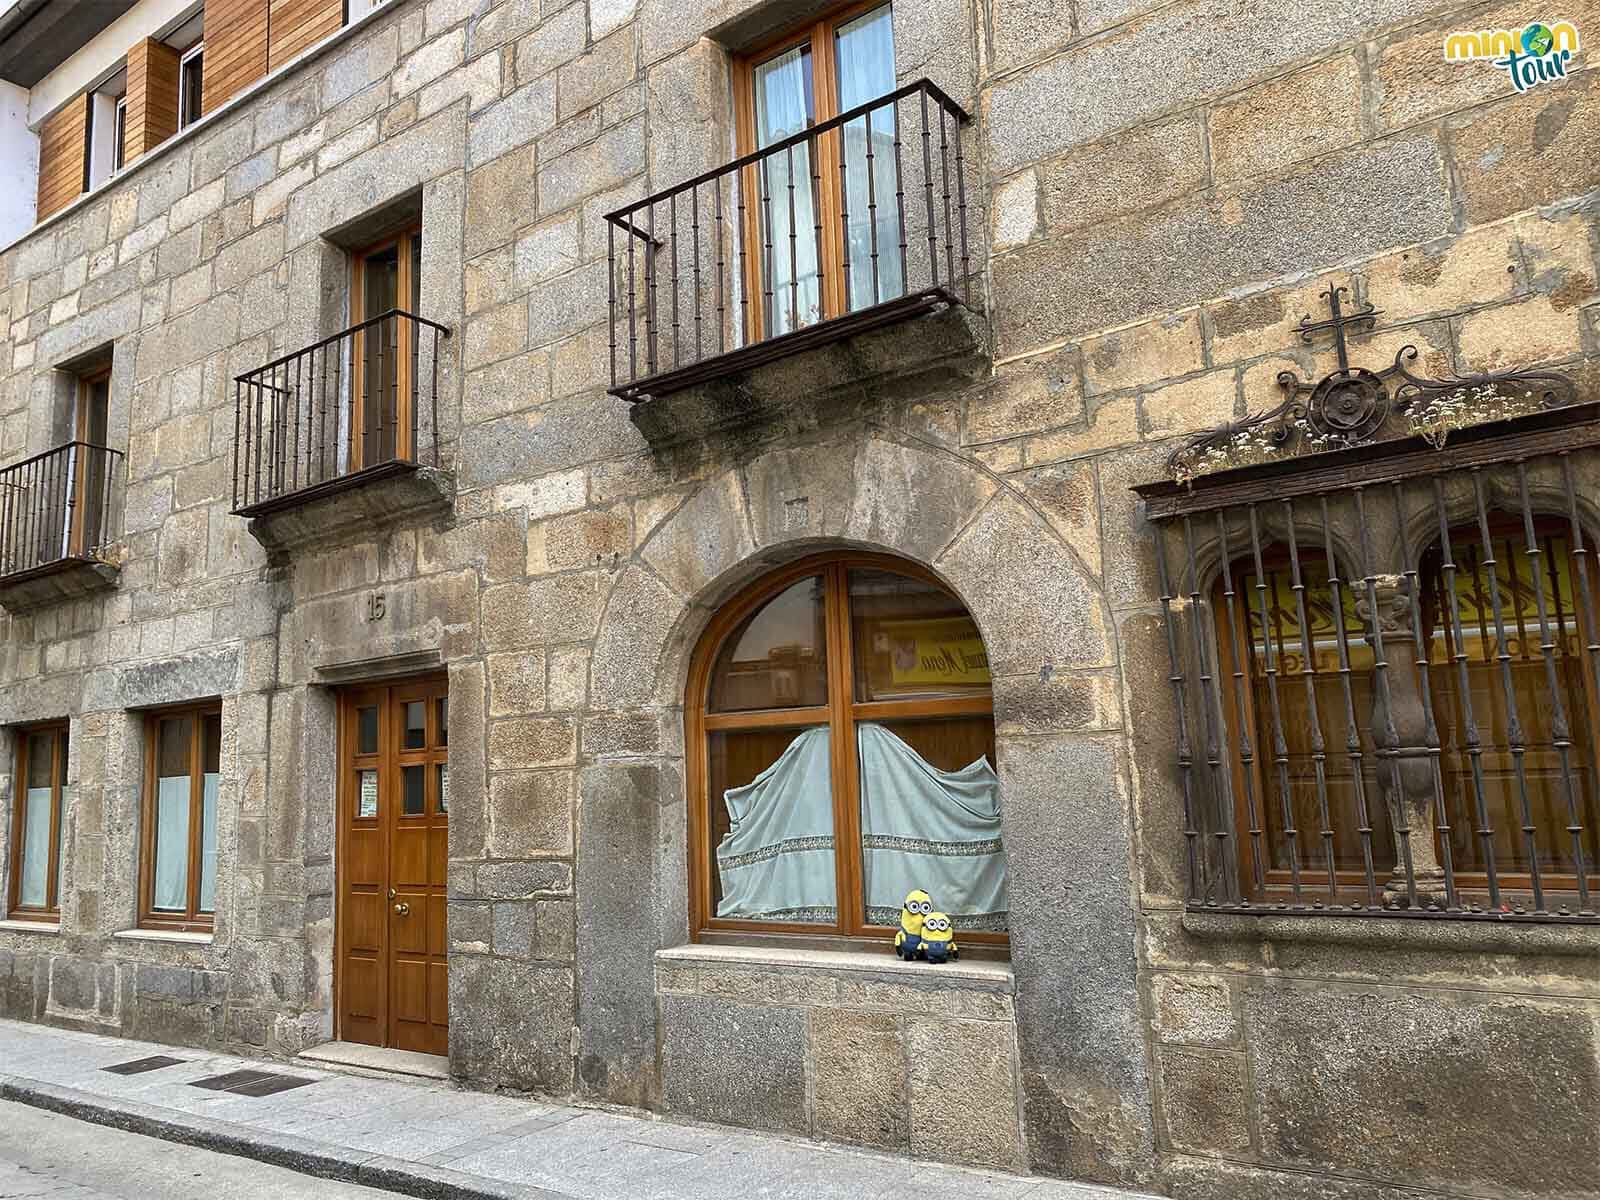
{"type": "Point", "coordinates": [940, 653]}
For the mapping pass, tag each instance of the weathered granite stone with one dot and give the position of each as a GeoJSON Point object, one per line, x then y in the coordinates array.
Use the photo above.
{"type": "Point", "coordinates": [511, 1023]}
{"type": "Point", "coordinates": [1412, 1059]}
{"type": "Point", "coordinates": [737, 1064]}
{"type": "Point", "coordinates": [1194, 1010]}
{"type": "Point", "coordinates": [975, 1120]}
{"type": "Point", "coordinates": [1205, 1100]}
{"type": "Point", "coordinates": [616, 929]}
{"type": "Point", "coordinates": [858, 1072]}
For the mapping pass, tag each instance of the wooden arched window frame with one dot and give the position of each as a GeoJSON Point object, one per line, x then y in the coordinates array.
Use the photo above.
{"type": "Point", "coordinates": [841, 711]}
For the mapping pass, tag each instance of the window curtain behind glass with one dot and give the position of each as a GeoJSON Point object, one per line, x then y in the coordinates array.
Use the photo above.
{"type": "Point", "coordinates": [921, 828]}
{"type": "Point", "coordinates": [34, 887]}
{"type": "Point", "coordinates": [866, 71]}
{"type": "Point", "coordinates": [783, 107]}
{"type": "Point", "coordinates": [172, 843]}
{"type": "Point", "coordinates": [777, 860]}
{"type": "Point", "coordinates": [208, 844]}
{"type": "Point", "coordinates": [926, 828]}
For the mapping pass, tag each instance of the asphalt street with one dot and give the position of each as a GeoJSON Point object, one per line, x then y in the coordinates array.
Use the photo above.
{"type": "Point", "coordinates": [44, 1154]}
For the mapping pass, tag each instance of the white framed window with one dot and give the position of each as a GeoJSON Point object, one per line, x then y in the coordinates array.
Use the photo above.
{"type": "Point", "coordinates": [191, 69]}
{"type": "Point", "coordinates": [119, 136]}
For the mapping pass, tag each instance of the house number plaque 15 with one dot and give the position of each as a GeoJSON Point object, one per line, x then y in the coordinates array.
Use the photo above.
{"type": "Point", "coordinates": [376, 606]}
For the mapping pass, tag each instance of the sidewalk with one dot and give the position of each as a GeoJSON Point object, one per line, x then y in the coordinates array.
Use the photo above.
{"type": "Point", "coordinates": [434, 1141]}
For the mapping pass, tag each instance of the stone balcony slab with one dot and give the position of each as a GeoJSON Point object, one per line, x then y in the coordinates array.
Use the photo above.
{"type": "Point", "coordinates": [53, 582]}
{"type": "Point", "coordinates": [919, 355]}
{"type": "Point", "coordinates": [352, 507]}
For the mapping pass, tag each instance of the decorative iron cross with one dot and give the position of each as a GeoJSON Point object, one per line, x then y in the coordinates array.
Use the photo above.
{"type": "Point", "coordinates": [1349, 406]}
{"type": "Point", "coordinates": [1338, 323]}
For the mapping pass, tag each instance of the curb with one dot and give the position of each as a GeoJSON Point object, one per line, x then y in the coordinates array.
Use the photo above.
{"type": "Point", "coordinates": [302, 1155]}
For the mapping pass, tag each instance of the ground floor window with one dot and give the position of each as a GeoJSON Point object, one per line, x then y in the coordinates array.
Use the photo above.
{"type": "Point", "coordinates": [842, 750]}
{"type": "Point", "coordinates": [38, 822]}
{"type": "Point", "coordinates": [178, 864]}
{"type": "Point", "coordinates": [1509, 688]}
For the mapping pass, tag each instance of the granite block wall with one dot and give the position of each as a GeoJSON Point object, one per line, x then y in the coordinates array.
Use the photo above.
{"type": "Point", "coordinates": [1161, 190]}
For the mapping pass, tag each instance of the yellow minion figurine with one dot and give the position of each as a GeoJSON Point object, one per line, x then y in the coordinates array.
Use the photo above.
{"type": "Point", "coordinates": [908, 938]}
{"type": "Point", "coordinates": [938, 938]}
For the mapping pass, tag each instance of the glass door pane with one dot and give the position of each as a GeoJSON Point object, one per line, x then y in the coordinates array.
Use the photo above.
{"type": "Point", "coordinates": [787, 258]}
{"type": "Point", "coordinates": [95, 397]}
{"type": "Point", "coordinates": [865, 50]}
{"type": "Point", "coordinates": [380, 354]}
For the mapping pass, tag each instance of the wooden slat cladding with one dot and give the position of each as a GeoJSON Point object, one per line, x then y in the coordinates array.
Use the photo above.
{"type": "Point", "coordinates": [294, 25]}
{"type": "Point", "coordinates": [236, 49]}
{"type": "Point", "coordinates": [152, 96]}
{"type": "Point", "coordinates": [62, 148]}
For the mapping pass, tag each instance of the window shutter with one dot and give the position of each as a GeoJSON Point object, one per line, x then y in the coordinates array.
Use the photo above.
{"type": "Point", "coordinates": [296, 24]}
{"type": "Point", "coordinates": [63, 155]}
{"type": "Point", "coordinates": [152, 96]}
{"type": "Point", "coordinates": [236, 49]}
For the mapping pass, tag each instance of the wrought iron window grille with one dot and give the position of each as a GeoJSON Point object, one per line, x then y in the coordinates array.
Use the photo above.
{"type": "Point", "coordinates": [1385, 656]}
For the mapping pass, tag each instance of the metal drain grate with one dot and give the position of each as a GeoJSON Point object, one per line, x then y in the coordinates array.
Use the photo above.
{"type": "Point", "coordinates": [140, 1065]}
{"type": "Point", "coordinates": [251, 1083]}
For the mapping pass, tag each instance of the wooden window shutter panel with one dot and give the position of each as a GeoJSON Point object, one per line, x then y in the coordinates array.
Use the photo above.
{"type": "Point", "coordinates": [294, 25]}
{"type": "Point", "coordinates": [152, 96]}
{"type": "Point", "coordinates": [236, 49]}
{"type": "Point", "coordinates": [63, 151]}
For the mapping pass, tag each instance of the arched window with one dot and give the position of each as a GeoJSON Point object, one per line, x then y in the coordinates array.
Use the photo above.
{"type": "Point", "coordinates": [1268, 635]}
{"type": "Point", "coordinates": [1535, 721]}
{"type": "Point", "coordinates": [841, 741]}
{"type": "Point", "coordinates": [1555, 726]}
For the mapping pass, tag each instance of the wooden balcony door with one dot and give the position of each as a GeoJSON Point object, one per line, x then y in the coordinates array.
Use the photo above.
{"type": "Point", "coordinates": [394, 803]}
{"type": "Point", "coordinates": [89, 468]}
{"type": "Point", "coordinates": [387, 278]}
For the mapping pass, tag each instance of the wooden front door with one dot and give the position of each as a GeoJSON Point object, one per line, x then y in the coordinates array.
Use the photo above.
{"type": "Point", "coordinates": [394, 801]}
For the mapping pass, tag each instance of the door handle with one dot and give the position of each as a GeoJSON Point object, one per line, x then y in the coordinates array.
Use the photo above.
{"type": "Point", "coordinates": [402, 908]}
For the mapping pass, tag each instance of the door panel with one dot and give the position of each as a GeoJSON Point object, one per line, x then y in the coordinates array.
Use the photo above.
{"type": "Point", "coordinates": [393, 840]}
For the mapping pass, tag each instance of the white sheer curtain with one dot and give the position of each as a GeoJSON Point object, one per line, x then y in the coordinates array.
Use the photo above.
{"type": "Point", "coordinates": [777, 858]}
{"type": "Point", "coordinates": [921, 827]}
{"type": "Point", "coordinates": [208, 844]}
{"type": "Point", "coordinates": [172, 843]}
{"type": "Point", "coordinates": [866, 71]}
{"type": "Point", "coordinates": [787, 254]}
{"type": "Point", "coordinates": [34, 886]}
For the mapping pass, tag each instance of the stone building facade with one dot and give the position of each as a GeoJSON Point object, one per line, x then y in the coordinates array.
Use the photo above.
{"type": "Point", "coordinates": [1156, 193]}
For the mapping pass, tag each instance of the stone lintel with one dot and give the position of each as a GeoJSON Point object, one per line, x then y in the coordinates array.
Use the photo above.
{"type": "Point", "coordinates": [391, 666]}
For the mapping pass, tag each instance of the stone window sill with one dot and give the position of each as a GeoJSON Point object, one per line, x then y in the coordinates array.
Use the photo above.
{"type": "Point", "coordinates": [52, 927]}
{"type": "Point", "coordinates": [995, 976]}
{"type": "Point", "coordinates": [164, 935]}
{"type": "Point", "coordinates": [1398, 933]}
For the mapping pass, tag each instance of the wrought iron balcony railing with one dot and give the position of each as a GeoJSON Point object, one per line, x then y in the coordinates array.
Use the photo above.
{"type": "Point", "coordinates": [55, 508]}
{"type": "Point", "coordinates": [353, 406]}
{"type": "Point", "coordinates": [851, 224]}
